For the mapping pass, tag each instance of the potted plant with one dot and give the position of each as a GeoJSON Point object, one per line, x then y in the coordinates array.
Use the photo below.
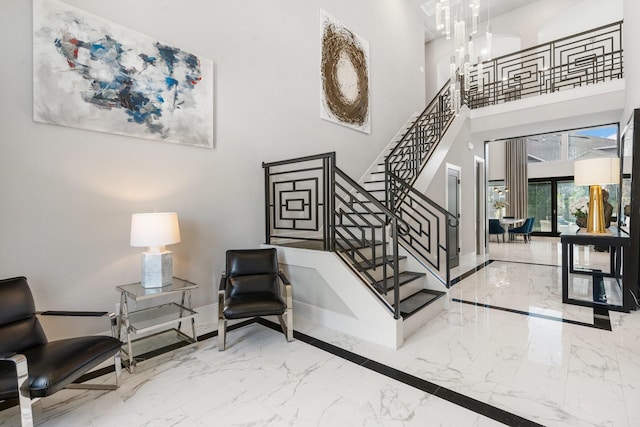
{"type": "Point", "coordinates": [581, 217]}
{"type": "Point", "coordinates": [498, 205]}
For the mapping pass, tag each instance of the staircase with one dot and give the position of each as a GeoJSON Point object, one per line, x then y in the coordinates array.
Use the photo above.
{"type": "Point", "coordinates": [379, 270]}
{"type": "Point", "coordinates": [389, 235]}
{"type": "Point", "coordinates": [414, 294]}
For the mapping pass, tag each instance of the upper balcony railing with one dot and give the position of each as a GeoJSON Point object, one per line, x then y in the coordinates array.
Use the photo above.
{"type": "Point", "coordinates": [590, 57]}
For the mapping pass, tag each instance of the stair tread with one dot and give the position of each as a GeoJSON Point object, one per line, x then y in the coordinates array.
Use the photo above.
{"type": "Point", "coordinates": [403, 278]}
{"type": "Point", "coordinates": [377, 262]}
{"type": "Point", "coordinates": [417, 301]}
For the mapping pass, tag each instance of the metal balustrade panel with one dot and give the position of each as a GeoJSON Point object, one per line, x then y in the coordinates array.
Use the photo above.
{"type": "Point", "coordinates": [296, 201]}
{"type": "Point", "coordinates": [590, 57]}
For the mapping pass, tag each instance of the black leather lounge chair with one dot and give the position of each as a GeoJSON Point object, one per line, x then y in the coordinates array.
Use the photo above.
{"type": "Point", "coordinates": [250, 288]}
{"type": "Point", "coordinates": [31, 367]}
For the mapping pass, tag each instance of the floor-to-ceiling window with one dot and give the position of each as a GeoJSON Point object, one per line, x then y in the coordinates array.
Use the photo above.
{"type": "Point", "coordinates": [553, 198]}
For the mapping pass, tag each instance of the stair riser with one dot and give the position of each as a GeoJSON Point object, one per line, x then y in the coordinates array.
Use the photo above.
{"type": "Point", "coordinates": [420, 318]}
{"type": "Point", "coordinates": [366, 208]}
{"type": "Point", "coordinates": [351, 219]}
{"type": "Point", "coordinates": [367, 253]}
{"type": "Point", "coordinates": [378, 273]}
{"type": "Point", "coordinates": [374, 185]}
{"type": "Point", "coordinates": [366, 233]}
{"type": "Point", "coordinates": [406, 290]}
{"type": "Point", "coordinates": [378, 194]}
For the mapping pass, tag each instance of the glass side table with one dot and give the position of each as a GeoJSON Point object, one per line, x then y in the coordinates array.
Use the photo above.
{"type": "Point", "coordinates": [163, 321]}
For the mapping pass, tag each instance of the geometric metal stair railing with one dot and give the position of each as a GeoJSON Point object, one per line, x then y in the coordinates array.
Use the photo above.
{"type": "Point", "coordinates": [427, 220]}
{"type": "Point", "coordinates": [312, 204]}
{"type": "Point", "coordinates": [429, 225]}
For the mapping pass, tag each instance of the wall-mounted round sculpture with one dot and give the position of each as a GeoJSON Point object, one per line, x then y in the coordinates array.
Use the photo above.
{"type": "Point", "coordinates": [345, 75]}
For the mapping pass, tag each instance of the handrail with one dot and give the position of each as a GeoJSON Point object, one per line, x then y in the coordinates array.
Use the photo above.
{"type": "Point", "coordinates": [330, 154]}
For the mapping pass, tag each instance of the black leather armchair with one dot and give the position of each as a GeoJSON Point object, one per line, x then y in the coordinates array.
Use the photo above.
{"type": "Point", "coordinates": [251, 288]}
{"type": "Point", "coordinates": [31, 367]}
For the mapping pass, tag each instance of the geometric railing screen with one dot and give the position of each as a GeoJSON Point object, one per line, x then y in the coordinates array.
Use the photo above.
{"type": "Point", "coordinates": [297, 204]}
{"type": "Point", "coordinates": [296, 194]}
{"type": "Point", "coordinates": [587, 58]}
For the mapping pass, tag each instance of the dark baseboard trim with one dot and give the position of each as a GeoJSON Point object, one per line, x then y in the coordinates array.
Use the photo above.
{"type": "Point", "coordinates": [451, 396]}
{"type": "Point", "coordinates": [600, 317]}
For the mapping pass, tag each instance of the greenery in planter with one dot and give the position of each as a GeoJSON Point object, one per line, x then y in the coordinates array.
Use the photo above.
{"type": "Point", "coordinates": [581, 217]}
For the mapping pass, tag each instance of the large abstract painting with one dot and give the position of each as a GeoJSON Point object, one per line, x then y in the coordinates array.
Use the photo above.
{"type": "Point", "coordinates": [344, 71]}
{"type": "Point", "coordinates": [93, 74]}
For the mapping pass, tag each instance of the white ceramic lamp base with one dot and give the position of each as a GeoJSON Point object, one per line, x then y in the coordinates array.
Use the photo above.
{"type": "Point", "coordinates": [157, 269]}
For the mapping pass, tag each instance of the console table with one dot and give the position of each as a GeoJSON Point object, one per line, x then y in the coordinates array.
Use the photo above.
{"type": "Point", "coordinates": [618, 243]}
{"type": "Point", "coordinates": [161, 318]}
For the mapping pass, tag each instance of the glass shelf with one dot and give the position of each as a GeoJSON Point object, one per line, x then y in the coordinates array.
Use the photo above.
{"type": "Point", "coordinates": [161, 323]}
{"type": "Point", "coordinates": [137, 292]}
{"type": "Point", "coordinates": [146, 320]}
{"type": "Point", "coordinates": [150, 346]}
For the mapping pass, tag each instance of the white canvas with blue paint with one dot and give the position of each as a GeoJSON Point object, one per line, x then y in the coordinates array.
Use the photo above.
{"type": "Point", "coordinates": [93, 74]}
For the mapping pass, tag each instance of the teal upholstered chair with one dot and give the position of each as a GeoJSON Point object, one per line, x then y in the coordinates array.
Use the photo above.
{"type": "Point", "coordinates": [524, 230]}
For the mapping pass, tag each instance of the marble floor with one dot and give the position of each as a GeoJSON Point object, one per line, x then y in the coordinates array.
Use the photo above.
{"type": "Point", "coordinates": [505, 351]}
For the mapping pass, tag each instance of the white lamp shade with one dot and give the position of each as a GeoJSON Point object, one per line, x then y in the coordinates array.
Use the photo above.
{"type": "Point", "coordinates": [598, 171]}
{"type": "Point", "coordinates": [154, 229]}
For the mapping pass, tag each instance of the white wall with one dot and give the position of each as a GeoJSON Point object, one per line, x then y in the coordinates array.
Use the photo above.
{"type": "Point", "coordinates": [67, 194]}
{"type": "Point", "coordinates": [580, 17]}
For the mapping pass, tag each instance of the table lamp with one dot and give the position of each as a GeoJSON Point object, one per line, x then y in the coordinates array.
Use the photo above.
{"type": "Point", "coordinates": [595, 172]}
{"type": "Point", "coordinates": [154, 231]}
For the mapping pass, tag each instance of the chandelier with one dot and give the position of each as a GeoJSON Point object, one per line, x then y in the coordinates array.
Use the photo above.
{"type": "Point", "coordinates": [458, 19]}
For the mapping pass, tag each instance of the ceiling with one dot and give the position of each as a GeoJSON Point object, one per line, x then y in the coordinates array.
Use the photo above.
{"type": "Point", "coordinates": [497, 8]}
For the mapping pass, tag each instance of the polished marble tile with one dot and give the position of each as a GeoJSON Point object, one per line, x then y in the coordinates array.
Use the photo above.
{"type": "Point", "coordinates": [512, 354]}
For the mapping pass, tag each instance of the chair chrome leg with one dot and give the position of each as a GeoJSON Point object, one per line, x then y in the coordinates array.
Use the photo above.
{"type": "Point", "coordinates": [222, 334]}
{"type": "Point", "coordinates": [22, 380]}
{"type": "Point", "coordinates": [286, 323]}
{"type": "Point", "coordinates": [118, 365]}
{"type": "Point", "coordinates": [222, 322]}
{"type": "Point", "coordinates": [289, 324]}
